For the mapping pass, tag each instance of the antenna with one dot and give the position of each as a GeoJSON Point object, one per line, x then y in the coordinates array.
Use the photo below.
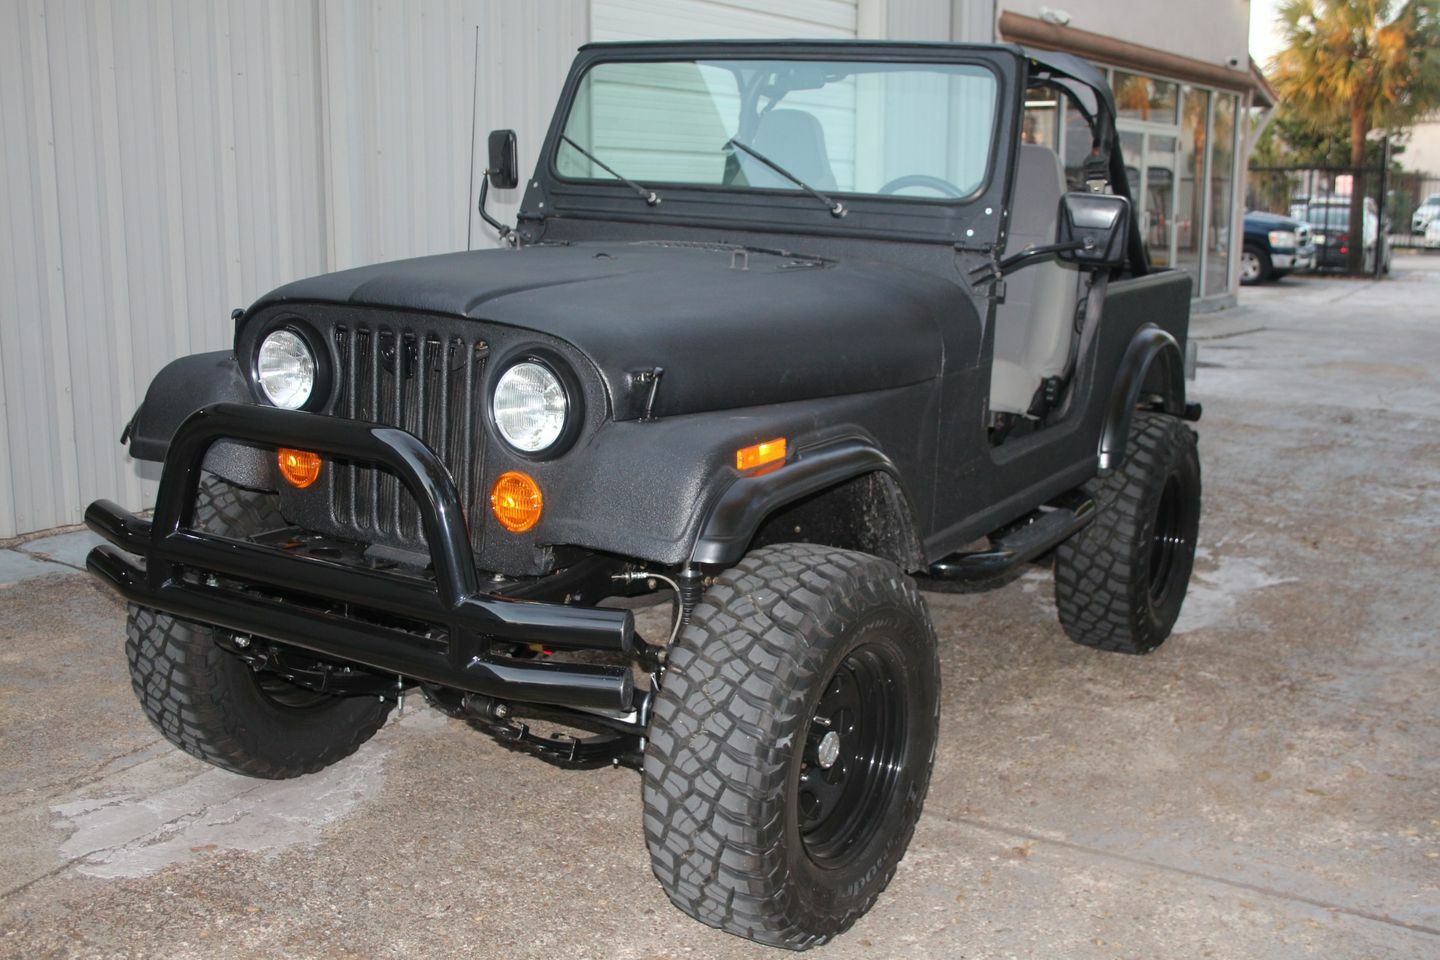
{"type": "Point", "coordinates": [474, 108]}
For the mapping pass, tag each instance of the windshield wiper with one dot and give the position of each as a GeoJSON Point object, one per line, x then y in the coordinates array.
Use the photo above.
{"type": "Point", "coordinates": [837, 209]}
{"type": "Point", "coordinates": [650, 196]}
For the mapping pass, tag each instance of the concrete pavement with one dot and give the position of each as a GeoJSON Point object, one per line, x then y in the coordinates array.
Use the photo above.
{"type": "Point", "coordinates": [1266, 785]}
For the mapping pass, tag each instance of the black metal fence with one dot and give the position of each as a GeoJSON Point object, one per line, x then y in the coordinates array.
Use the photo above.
{"type": "Point", "coordinates": [1412, 201]}
{"type": "Point", "coordinates": [1398, 210]}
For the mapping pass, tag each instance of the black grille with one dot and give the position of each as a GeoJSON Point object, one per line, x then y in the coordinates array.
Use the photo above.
{"type": "Point", "coordinates": [426, 382]}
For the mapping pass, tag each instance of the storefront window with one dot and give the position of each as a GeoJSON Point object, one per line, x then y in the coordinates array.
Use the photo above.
{"type": "Point", "coordinates": [1145, 98]}
{"type": "Point", "coordinates": [1159, 196]}
{"type": "Point", "coordinates": [1222, 195]}
{"type": "Point", "coordinates": [1190, 184]}
{"type": "Point", "coordinates": [1042, 108]}
{"type": "Point", "coordinates": [1079, 142]}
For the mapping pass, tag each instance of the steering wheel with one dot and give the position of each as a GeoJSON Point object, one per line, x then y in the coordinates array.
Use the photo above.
{"type": "Point", "coordinates": [944, 187]}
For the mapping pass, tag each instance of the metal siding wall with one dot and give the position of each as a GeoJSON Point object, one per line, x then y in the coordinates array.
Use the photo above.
{"type": "Point", "coordinates": [39, 473]}
{"type": "Point", "coordinates": [714, 19]}
{"type": "Point", "coordinates": [398, 89]}
{"type": "Point", "coordinates": [973, 21]}
{"type": "Point", "coordinates": [927, 20]}
{"type": "Point", "coordinates": [163, 161]}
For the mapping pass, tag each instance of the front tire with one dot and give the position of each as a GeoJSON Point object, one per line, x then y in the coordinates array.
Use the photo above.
{"type": "Point", "coordinates": [791, 744]}
{"type": "Point", "coordinates": [211, 704]}
{"type": "Point", "coordinates": [1254, 266]}
{"type": "Point", "coordinates": [1120, 582]}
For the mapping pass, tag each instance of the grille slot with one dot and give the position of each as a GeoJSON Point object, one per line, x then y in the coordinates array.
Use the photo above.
{"type": "Point", "coordinates": [425, 382]}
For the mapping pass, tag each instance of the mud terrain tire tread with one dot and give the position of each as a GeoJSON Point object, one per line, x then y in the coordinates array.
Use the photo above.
{"type": "Point", "coordinates": [714, 771]}
{"type": "Point", "coordinates": [1102, 586]}
{"type": "Point", "coordinates": [207, 702]}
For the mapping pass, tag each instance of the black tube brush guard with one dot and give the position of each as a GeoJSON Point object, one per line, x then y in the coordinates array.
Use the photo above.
{"type": "Point", "coordinates": [233, 584]}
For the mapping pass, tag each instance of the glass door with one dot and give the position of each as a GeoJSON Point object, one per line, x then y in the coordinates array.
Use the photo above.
{"type": "Point", "coordinates": [1150, 166]}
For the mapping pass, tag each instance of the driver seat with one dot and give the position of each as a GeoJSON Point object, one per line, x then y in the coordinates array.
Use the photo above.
{"type": "Point", "coordinates": [794, 139]}
{"type": "Point", "coordinates": [1035, 324]}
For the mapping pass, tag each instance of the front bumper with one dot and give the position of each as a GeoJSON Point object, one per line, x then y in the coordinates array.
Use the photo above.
{"type": "Point", "coordinates": [449, 623]}
{"type": "Point", "coordinates": [1294, 260]}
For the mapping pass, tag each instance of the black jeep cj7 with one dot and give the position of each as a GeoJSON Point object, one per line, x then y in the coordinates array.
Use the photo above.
{"type": "Point", "coordinates": [783, 328]}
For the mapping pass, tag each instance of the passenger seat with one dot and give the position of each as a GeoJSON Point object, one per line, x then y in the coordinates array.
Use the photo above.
{"type": "Point", "coordinates": [1035, 324]}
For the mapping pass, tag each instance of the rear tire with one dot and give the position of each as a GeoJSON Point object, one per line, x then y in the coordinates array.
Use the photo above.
{"type": "Point", "coordinates": [211, 704]}
{"type": "Point", "coordinates": [1120, 582]}
{"type": "Point", "coordinates": [791, 744]}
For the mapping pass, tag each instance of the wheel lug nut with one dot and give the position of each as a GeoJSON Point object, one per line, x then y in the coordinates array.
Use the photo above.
{"type": "Point", "coordinates": [827, 751]}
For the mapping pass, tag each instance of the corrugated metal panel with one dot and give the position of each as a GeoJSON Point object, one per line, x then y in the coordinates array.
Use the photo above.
{"type": "Point", "coordinates": [34, 348]}
{"type": "Point", "coordinates": [158, 166]}
{"type": "Point", "coordinates": [168, 162]}
{"type": "Point", "coordinates": [973, 21]}
{"type": "Point", "coordinates": [715, 19]}
{"type": "Point", "coordinates": [398, 81]}
{"type": "Point", "coordinates": [927, 20]}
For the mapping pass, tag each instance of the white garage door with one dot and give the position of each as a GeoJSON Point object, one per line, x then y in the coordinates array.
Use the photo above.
{"type": "Point", "coordinates": [714, 19]}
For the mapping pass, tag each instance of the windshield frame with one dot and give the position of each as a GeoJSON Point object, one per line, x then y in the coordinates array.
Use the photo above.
{"type": "Point", "coordinates": [971, 221]}
{"type": "Point", "coordinates": [667, 185]}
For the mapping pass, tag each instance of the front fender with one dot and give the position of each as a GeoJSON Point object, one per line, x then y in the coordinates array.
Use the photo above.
{"type": "Point", "coordinates": [178, 390]}
{"type": "Point", "coordinates": [1153, 365]}
{"type": "Point", "coordinates": [667, 490]}
{"type": "Point", "coordinates": [746, 503]}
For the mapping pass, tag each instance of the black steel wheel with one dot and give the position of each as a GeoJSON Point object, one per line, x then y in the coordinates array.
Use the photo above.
{"type": "Point", "coordinates": [211, 704]}
{"type": "Point", "coordinates": [854, 747]}
{"type": "Point", "coordinates": [791, 744]}
{"type": "Point", "coordinates": [1120, 582]}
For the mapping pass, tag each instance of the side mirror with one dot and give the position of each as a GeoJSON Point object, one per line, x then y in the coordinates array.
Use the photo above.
{"type": "Point", "coordinates": [503, 170]}
{"type": "Point", "coordinates": [1092, 229]}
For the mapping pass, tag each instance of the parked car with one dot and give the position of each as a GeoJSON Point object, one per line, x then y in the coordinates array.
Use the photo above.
{"type": "Point", "coordinates": [1329, 219]}
{"type": "Point", "coordinates": [1432, 235]}
{"type": "Point", "coordinates": [716, 360]}
{"type": "Point", "coordinates": [1274, 246]}
{"type": "Point", "coordinates": [1425, 214]}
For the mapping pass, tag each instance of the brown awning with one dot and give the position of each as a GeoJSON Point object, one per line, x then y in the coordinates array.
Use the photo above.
{"type": "Point", "coordinates": [1029, 31]}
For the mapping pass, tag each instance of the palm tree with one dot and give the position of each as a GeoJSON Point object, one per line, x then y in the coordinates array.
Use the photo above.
{"type": "Point", "coordinates": [1361, 62]}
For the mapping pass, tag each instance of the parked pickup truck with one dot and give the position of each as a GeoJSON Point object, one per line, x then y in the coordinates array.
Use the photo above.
{"type": "Point", "coordinates": [1274, 247]}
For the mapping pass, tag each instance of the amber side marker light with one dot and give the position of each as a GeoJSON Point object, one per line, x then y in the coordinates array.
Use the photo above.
{"type": "Point", "coordinates": [300, 468]}
{"type": "Point", "coordinates": [516, 500]}
{"type": "Point", "coordinates": [758, 455]}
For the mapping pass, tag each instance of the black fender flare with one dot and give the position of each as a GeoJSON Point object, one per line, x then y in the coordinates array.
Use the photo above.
{"type": "Point", "coordinates": [1153, 364]}
{"type": "Point", "coordinates": [178, 390]}
{"type": "Point", "coordinates": [739, 512]}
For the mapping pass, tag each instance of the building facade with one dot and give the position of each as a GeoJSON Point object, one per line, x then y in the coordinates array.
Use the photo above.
{"type": "Point", "coordinates": [164, 161]}
{"type": "Point", "coordinates": [1422, 148]}
{"type": "Point", "coordinates": [1185, 88]}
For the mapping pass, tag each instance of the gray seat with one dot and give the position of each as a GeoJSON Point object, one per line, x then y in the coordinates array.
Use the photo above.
{"type": "Point", "coordinates": [1034, 325]}
{"type": "Point", "coordinates": [795, 140]}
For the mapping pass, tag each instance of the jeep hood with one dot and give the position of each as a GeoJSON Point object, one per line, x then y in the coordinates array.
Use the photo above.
{"type": "Point", "coordinates": [731, 328]}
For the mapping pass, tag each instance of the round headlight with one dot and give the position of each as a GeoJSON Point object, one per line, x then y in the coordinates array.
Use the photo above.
{"type": "Point", "coordinates": [286, 369]}
{"type": "Point", "coordinates": [529, 407]}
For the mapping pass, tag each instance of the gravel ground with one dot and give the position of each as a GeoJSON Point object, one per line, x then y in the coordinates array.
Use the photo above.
{"type": "Point", "coordinates": [1266, 785]}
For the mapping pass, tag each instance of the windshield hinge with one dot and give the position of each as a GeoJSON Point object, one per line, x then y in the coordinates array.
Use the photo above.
{"type": "Point", "coordinates": [989, 272]}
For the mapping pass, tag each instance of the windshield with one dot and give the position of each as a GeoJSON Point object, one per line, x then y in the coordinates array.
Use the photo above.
{"type": "Point", "coordinates": [919, 130]}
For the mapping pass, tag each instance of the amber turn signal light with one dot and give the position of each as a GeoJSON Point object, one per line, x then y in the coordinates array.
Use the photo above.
{"type": "Point", "coordinates": [516, 500]}
{"type": "Point", "coordinates": [300, 468]}
{"type": "Point", "coordinates": [760, 454]}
